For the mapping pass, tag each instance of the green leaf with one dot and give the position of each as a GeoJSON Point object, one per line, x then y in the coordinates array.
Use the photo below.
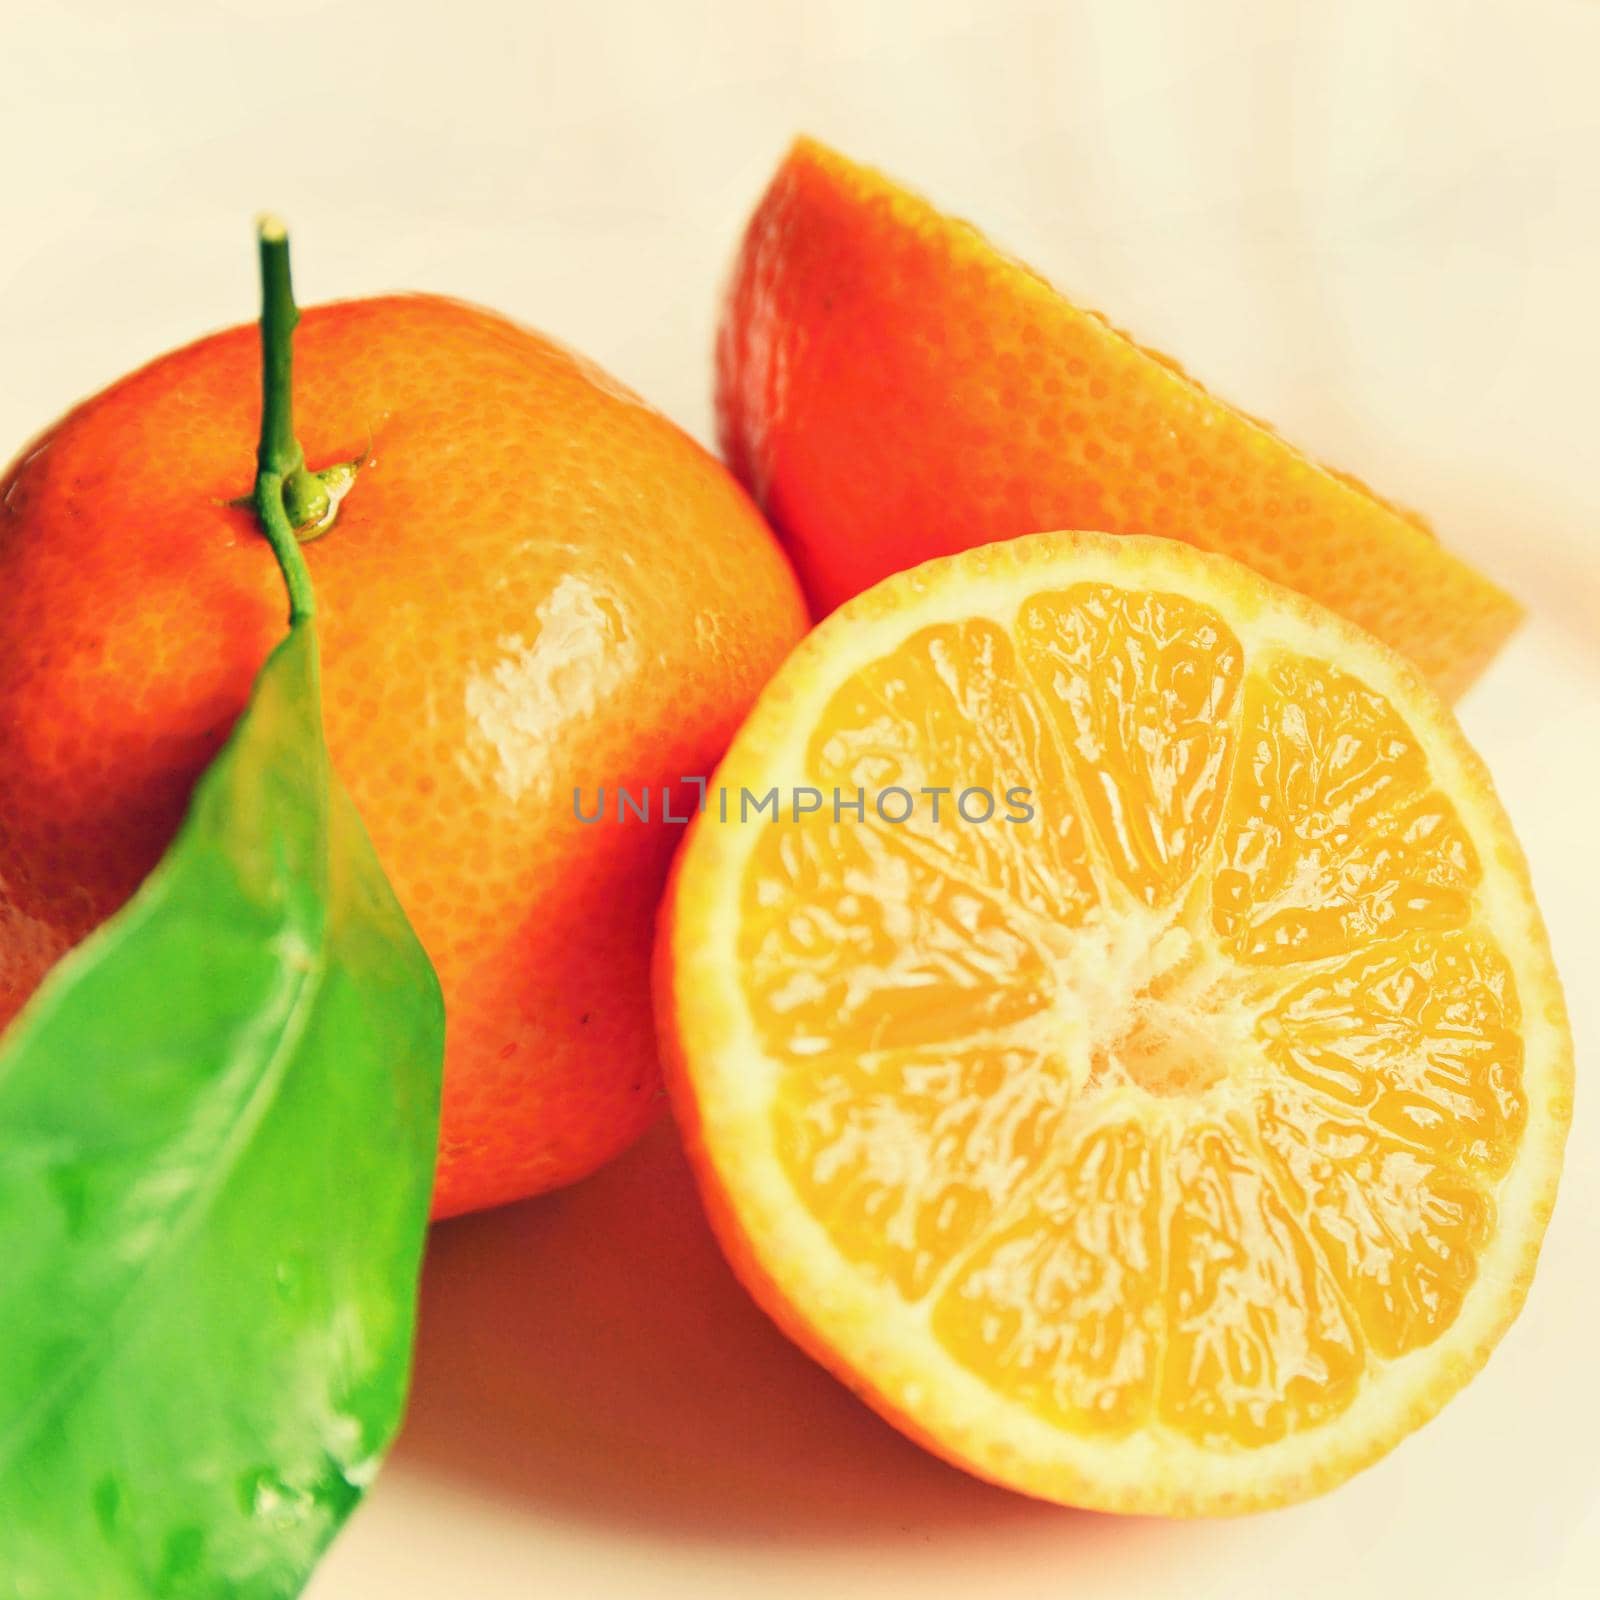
{"type": "Point", "coordinates": [218, 1120]}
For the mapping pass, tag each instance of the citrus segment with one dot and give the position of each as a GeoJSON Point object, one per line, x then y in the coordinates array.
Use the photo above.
{"type": "Point", "coordinates": [852, 940]}
{"type": "Point", "coordinates": [910, 1156]}
{"type": "Point", "coordinates": [1335, 834]}
{"type": "Point", "coordinates": [1176, 1149]}
{"type": "Point", "coordinates": [1420, 1038]}
{"type": "Point", "coordinates": [946, 721]}
{"type": "Point", "coordinates": [1143, 689]}
{"type": "Point", "coordinates": [1060, 1308]}
{"type": "Point", "coordinates": [1400, 1231]}
{"type": "Point", "coordinates": [1258, 1339]}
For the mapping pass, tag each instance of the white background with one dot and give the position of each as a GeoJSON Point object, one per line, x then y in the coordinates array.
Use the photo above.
{"type": "Point", "coordinates": [1376, 223]}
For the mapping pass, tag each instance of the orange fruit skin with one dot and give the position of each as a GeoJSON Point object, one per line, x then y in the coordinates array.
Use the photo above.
{"type": "Point", "coordinates": [536, 584]}
{"type": "Point", "coordinates": [892, 388]}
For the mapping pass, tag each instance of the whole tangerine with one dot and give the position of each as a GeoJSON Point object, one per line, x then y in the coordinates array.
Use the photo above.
{"type": "Point", "coordinates": [535, 587]}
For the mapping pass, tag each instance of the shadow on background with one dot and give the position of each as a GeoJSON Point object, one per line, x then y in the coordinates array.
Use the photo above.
{"type": "Point", "coordinates": [590, 1352]}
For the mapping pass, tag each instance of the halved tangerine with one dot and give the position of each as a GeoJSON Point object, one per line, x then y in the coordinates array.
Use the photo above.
{"type": "Point", "coordinates": [892, 387]}
{"type": "Point", "coordinates": [1178, 1136]}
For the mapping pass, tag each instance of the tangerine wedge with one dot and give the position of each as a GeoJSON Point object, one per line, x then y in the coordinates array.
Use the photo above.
{"type": "Point", "coordinates": [891, 387]}
{"type": "Point", "coordinates": [1181, 1135]}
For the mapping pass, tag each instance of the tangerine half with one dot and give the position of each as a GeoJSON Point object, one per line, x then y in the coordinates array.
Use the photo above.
{"type": "Point", "coordinates": [892, 387]}
{"type": "Point", "coordinates": [1181, 1134]}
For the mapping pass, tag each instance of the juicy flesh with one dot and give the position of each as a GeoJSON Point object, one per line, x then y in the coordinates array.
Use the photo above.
{"type": "Point", "coordinates": [1182, 1103]}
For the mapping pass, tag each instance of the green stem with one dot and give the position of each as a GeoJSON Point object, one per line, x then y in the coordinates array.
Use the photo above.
{"type": "Point", "coordinates": [287, 496]}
